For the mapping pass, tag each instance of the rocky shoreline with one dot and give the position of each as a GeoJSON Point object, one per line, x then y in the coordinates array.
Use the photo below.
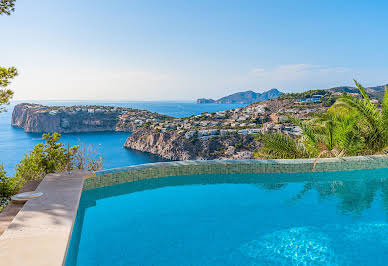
{"type": "Point", "coordinates": [174, 145]}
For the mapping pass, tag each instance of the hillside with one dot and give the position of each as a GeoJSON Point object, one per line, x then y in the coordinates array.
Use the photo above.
{"type": "Point", "coordinates": [221, 135]}
{"type": "Point", "coordinates": [246, 97]}
{"type": "Point", "coordinates": [374, 92]}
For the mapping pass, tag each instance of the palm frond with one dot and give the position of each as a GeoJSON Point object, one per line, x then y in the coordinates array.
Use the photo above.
{"type": "Point", "coordinates": [367, 110]}
{"type": "Point", "coordinates": [384, 107]}
{"type": "Point", "coordinates": [374, 123]}
{"type": "Point", "coordinates": [307, 130]}
{"type": "Point", "coordinates": [362, 91]}
{"type": "Point", "coordinates": [281, 146]}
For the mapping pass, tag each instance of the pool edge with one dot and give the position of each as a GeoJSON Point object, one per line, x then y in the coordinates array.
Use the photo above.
{"type": "Point", "coordinates": [160, 169]}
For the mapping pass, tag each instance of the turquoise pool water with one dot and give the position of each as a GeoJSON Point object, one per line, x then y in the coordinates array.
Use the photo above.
{"type": "Point", "coordinates": [334, 218]}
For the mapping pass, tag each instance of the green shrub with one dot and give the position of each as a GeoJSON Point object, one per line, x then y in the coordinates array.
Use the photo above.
{"type": "Point", "coordinates": [87, 158]}
{"type": "Point", "coordinates": [48, 157]}
{"type": "Point", "coordinates": [52, 156]}
{"type": "Point", "coordinates": [5, 184]}
{"type": "Point", "coordinates": [8, 187]}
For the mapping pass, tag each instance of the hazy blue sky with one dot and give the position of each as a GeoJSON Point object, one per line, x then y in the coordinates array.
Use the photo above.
{"type": "Point", "coordinates": [181, 50]}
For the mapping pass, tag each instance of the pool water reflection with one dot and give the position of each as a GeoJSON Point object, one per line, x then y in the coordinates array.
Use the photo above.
{"type": "Point", "coordinates": [335, 218]}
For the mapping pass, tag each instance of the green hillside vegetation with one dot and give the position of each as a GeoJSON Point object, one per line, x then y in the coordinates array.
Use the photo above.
{"type": "Point", "coordinates": [352, 126]}
{"type": "Point", "coordinates": [303, 95]}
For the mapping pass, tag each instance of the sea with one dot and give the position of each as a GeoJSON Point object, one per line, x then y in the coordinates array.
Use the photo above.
{"type": "Point", "coordinates": [15, 143]}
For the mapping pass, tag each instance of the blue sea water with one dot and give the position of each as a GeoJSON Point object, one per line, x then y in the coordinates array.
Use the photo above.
{"type": "Point", "coordinates": [335, 218]}
{"type": "Point", "coordinates": [14, 142]}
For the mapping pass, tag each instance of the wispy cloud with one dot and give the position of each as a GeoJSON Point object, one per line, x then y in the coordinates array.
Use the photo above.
{"type": "Point", "coordinates": [94, 83]}
{"type": "Point", "coordinates": [296, 70]}
{"type": "Point", "coordinates": [102, 82]}
{"type": "Point", "coordinates": [292, 75]}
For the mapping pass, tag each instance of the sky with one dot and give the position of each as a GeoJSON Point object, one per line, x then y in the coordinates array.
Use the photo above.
{"type": "Point", "coordinates": [183, 50]}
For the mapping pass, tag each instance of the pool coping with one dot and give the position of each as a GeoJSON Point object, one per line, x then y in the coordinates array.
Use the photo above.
{"type": "Point", "coordinates": [40, 233]}
{"type": "Point", "coordinates": [161, 169]}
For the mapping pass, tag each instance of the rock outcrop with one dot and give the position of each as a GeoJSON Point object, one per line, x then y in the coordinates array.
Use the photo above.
{"type": "Point", "coordinates": [204, 100]}
{"type": "Point", "coordinates": [37, 118]}
{"type": "Point", "coordinates": [173, 145]}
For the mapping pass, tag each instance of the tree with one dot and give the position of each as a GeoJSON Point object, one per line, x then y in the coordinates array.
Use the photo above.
{"type": "Point", "coordinates": [281, 146]}
{"type": "Point", "coordinates": [45, 158]}
{"type": "Point", "coordinates": [6, 74]}
{"type": "Point", "coordinates": [352, 126]}
{"type": "Point", "coordinates": [7, 7]}
{"type": "Point", "coordinates": [87, 158]}
{"type": "Point", "coordinates": [5, 186]}
{"type": "Point", "coordinates": [52, 156]}
{"type": "Point", "coordinates": [373, 122]}
{"type": "Point", "coordinates": [48, 157]}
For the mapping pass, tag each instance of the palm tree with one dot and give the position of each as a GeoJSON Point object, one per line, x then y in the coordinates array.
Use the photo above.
{"type": "Point", "coordinates": [372, 121]}
{"type": "Point", "coordinates": [318, 139]}
{"type": "Point", "coordinates": [281, 146]}
{"type": "Point", "coordinates": [352, 126]}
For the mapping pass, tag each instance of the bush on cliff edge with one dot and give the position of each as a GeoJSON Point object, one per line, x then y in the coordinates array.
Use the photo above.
{"type": "Point", "coordinates": [48, 157]}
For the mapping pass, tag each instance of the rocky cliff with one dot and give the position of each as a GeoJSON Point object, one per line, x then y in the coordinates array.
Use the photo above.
{"type": "Point", "coordinates": [38, 118]}
{"type": "Point", "coordinates": [173, 145]}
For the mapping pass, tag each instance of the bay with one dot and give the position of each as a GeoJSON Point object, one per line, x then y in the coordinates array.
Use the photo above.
{"type": "Point", "coordinates": [15, 143]}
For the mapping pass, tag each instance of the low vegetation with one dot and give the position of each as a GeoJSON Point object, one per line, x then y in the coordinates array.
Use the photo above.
{"type": "Point", "coordinates": [48, 157]}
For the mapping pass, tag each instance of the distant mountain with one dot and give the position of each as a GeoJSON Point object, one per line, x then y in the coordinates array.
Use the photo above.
{"type": "Point", "coordinates": [245, 97]}
{"type": "Point", "coordinates": [374, 92]}
{"type": "Point", "coordinates": [204, 100]}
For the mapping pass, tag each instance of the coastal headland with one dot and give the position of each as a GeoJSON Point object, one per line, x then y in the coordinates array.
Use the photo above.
{"type": "Point", "coordinates": [36, 118]}
{"type": "Point", "coordinates": [220, 135]}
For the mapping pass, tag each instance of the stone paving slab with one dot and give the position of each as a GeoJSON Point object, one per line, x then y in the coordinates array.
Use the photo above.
{"type": "Point", "coordinates": [9, 213]}
{"type": "Point", "coordinates": [40, 232]}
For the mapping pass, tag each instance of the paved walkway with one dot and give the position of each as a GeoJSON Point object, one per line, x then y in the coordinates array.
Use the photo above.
{"type": "Point", "coordinates": [12, 209]}
{"type": "Point", "coordinates": [40, 232]}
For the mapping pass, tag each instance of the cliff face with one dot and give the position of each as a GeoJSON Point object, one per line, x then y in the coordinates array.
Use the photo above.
{"type": "Point", "coordinates": [20, 116]}
{"type": "Point", "coordinates": [38, 118]}
{"type": "Point", "coordinates": [174, 146]}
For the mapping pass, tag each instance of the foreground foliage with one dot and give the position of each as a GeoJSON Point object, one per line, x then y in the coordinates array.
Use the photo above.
{"type": "Point", "coordinates": [7, 7]}
{"type": "Point", "coordinates": [352, 126]}
{"type": "Point", "coordinates": [6, 74]}
{"type": "Point", "coordinates": [5, 187]}
{"type": "Point", "coordinates": [48, 157]}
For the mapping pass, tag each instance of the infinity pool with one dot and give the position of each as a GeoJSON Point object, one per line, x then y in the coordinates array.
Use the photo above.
{"type": "Point", "coordinates": [333, 218]}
